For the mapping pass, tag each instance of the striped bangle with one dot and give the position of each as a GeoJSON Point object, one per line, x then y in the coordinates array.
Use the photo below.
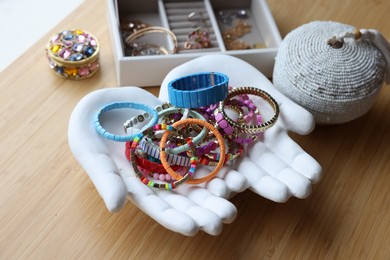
{"type": "Point", "coordinates": [153, 150]}
{"type": "Point", "coordinates": [145, 163]}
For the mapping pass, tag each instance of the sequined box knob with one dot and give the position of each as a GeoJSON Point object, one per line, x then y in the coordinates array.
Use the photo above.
{"type": "Point", "coordinates": [73, 54]}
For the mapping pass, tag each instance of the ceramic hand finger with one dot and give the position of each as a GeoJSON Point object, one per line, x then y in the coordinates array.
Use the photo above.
{"type": "Point", "coordinates": [261, 182]}
{"type": "Point", "coordinates": [97, 162]}
{"type": "Point", "coordinates": [292, 154]}
{"type": "Point", "coordinates": [196, 212]}
{"type": "Point", "coordinates": [203, 217]}
{"type": "Point", "coordinates": [94, 153]}
{"type": "Point", "coordinates": [221, 207]}
{"type": "Point", "coordinates": [163, 206]}
{"type": "Point", "coordinates": [277, 161]}
{"type": "Point", "coordinates": [227, 183]}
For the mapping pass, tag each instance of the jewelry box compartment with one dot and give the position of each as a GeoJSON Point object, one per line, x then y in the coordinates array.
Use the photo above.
{"type": "Point", "coordinates": [255, 36]}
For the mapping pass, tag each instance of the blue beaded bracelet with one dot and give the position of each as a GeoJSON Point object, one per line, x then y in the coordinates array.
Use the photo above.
{"type": "Point", "coordinates": [198, 90]}
{"type": "Point", "coordinates": [122, 105]}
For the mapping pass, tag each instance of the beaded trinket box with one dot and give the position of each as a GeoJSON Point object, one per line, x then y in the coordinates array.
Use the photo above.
{"type": "Point", "coordinates": [331, 69]}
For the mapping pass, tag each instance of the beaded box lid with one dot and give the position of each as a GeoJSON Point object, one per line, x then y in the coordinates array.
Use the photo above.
{"type": "Point", "coordinates": [73, 54]}
{"type": "Point", "coordinates": [337, 81]}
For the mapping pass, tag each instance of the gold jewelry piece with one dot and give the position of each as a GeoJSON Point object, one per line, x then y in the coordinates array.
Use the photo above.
{"type": "Point", "coordinates": [130, 26]}
{"type": "Point", "coordinates": [230, 36]}
{"type": "Point", "coordinates": [236, 45]}
{"type": "Point", "coordinates": [130, 40]}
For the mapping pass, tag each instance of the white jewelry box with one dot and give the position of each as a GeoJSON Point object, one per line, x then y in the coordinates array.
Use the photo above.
{"type": "Point", "coordinates": [151, 70]}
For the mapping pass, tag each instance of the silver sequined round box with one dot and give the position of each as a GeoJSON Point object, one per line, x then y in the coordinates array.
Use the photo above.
{"type": "Point", "coordinates": [336, 85]}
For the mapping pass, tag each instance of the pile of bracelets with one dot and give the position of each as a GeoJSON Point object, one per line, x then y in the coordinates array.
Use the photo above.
{"type": "Point", "coordinates": [206, 123]}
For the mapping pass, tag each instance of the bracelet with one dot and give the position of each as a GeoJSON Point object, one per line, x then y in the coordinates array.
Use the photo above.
{"type": "Point", "coordinates": [140, 118]}
{"type": "Point", "coordinates": [238, 105]}
{"type": "Point", "coordinates": [164, 110]}
{"type": "Point", "coordinates": [154, 151]}
{"type": "Point", "coordinates": [231, 133]}
{"type": "Point", "coordinates": [121, 105]}
{"type": "Point", "coordinates": [212, 158]}
{"type": "Point", "coordinates": [153, 29]}
{"type": "Point", "coordinates": [251, 129]}
{"type": "Point", "coordinates": [198, 90]}
{"type": "Point", "coordinates": [147, 167]}
{"type": "Point", "coordinates": [147, 164]}
{"type": "Point", "coordinates": [222, 123]}
{"type": "Point", "coordinates": [167, 186]}
{"type": "Point", "coordinates": [196, 140]}
{"type": "Point", "coordinates": [221, 142]}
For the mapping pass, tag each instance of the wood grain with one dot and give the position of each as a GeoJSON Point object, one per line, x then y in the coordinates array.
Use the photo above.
{"type": "Point", "coordinates": [50, 209]}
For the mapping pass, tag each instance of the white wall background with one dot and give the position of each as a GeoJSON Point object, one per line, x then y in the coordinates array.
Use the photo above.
{"type": "Point", "coordinates": [23, 22]}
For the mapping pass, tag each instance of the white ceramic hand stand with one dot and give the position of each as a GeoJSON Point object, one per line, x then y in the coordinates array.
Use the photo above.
{"type": "Point", "coordinates": [274, 167]}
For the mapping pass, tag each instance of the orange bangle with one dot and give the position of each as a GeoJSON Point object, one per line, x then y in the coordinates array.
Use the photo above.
{"type": "Point", "coordinates": [221, 142]}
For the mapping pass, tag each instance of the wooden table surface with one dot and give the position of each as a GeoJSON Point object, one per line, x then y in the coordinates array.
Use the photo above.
{"type": "Point", "coordinates": [50, 209]}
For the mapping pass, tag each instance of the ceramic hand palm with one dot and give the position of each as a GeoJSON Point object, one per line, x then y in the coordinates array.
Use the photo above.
{"type": "Point", "coordinates": [274, 167]}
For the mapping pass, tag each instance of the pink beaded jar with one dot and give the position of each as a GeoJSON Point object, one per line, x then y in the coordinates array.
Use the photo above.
{"type": "Point", "coordinates": [73, 54]}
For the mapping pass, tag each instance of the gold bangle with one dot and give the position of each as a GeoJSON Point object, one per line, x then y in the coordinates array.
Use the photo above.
{"type": "Point", "coordinates": [250, 129]}
{"type": "Point", "coordinates": [153, 29]}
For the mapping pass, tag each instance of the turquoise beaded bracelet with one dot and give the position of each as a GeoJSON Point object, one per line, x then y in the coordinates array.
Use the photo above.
{"type": "Point", "coordinates": [123, 105]}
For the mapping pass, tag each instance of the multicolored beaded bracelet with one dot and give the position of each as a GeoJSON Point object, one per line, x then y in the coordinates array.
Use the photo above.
{"type": "Point", "coordinates": [123, 105]}
{"type": "Point", "coordinates": [154, 169]}
{"type": "Point", "coordinates": [212, 158]}
{"type": "Point", "coordinates": [250, 129]}
{"type": "Point", "coordinates": [210, 127]}
{"type": "Point", "coordinates": [239, 104]}
{"type": "Point", "coordinates": [231, 132]}
{"type": "Point", "coordinates": [153, 150]}
{"type": "Point", "coordinates": [144, 162]}
{"type": "Point", "coordinates": [164, 110]}
{"type": "Point", "coordinates": [196, 140]}
{"type": "Point", "coordinates": [167, 186]}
